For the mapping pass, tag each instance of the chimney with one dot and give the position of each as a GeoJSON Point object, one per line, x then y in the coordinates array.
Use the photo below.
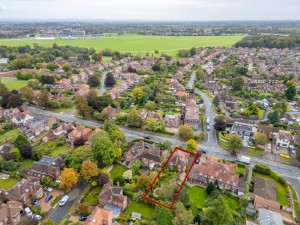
{"type": "Point", "coordinates": [118, 183]}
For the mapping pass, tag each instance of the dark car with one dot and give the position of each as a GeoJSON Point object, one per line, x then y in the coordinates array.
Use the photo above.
{"type": "Point", "coordinates": [35, 203]}
{"type": "Point", "coordinates": [83, 218]}
{"type": "Point", "coordinates": [197, 161]}
{"type": "Point", "coordinates": [147, 137]}
{"type": "Point", "coordinates": [48, 198]}
{"type": "Point", "coordinates": [233, 153]}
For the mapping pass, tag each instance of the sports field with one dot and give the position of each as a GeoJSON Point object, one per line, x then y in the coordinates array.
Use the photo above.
{"type": "Point", "coordinates": [135, 43]}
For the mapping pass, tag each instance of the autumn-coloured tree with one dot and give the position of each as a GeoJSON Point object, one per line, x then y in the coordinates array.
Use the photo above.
{"type": "Point", "coordinates": [138, 95]}
{"type": "Point", "coordinates": [191, 145]}
{"type": "Point", "coordinates": [89, 170]}
{"type": "Point", "coordinates": [68, 177]}
{"type": "Point", "coordinates": [186, 132]}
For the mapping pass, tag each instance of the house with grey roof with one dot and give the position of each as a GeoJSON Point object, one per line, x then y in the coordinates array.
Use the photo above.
{"type": "Point", "coordinates": [243, 129]}
{"type": "Point", "coordinates": [41, 123]}
{"type": "Point", "coordinates": [267, 217]}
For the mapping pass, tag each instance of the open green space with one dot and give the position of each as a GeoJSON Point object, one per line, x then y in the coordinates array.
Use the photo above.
{"type": "Point", "coordinates": [255, 152]}
{"type": "Point", "coordinates": [135, 43]}
{"type": "Point", "coordinates": [117, 171]}
{"type": "Point", "coordinates": [12, 83]}
{"type": "Point", "coordinates": [92, 197]}
{"type": "Point", "coordinates": [8, 183]}
{"type": "Point", "coordinates": [52, 147]}
{"type": "Point", "coordinates": [9, 136]}
{"type": "Point", "coordinates": [232, 203]}
{"type": "Point", "coordinates": [133, 206]}
{"type": "Point", "coordinates": [26, 163]}
{"type": "Point", "coordinates": [282, 195]}
{"type": "Point", "coordinates": [198, 197]}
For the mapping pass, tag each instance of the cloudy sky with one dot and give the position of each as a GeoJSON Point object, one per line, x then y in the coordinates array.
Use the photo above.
{"type": "Point", "coordinates": [151, 9]}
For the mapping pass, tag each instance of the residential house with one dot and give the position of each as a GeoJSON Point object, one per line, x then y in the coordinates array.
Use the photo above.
{"type": "Point", "coordinates": [152, 157]}
{"type": "Point", "coordinates": [79, 132]}
{"type": "Point", "coordinates": [211, 170]}
{"type": "Point", "coordinates": [47, 166]}
{"type": "Point", "coordinates": [179, 159]}
{"type": "Point", "coordinates": [243, 129]}
{"type": "Point", "coordinates": [111, 112]}
{"type": "Point", "coordinates": [172, 120]}
{"type": "Point", "coordinates": [63, 129]}
{"type": "Point", "coordinates": [267, 217]}
{"type": "Point", "coordinates": [9, 113]}
{"type": "Point", "coordinates": [260, 202]}
{"type": "Point", "coordinates": [135, 151]}
{"type": "Point", "coordinates": [100, 216]}
{"type": "Point", "coordinates": [111, 197]}
{"type": "Point", "coordinates": [10, 213]}
{"type": "Point", "coordinates": [24, 190]}
{"type": "Point", "coordinates": [191, 114]}
{"type": "Point", "coordinates": [155, 115]}
{"type": "Point", "coordinates": [181, 96]}
{"type": "Point", "coordinates": [232, 105]}
{"type": "Point", "coordinates": [270, 131]}
{"type": "Point", "coordinates": [41, 123]}
{"type": "Point", "coordinates": [82, 89]}
{"type": "Point", "coordinates": [22, 118]}
{"type": "Point", "coordinates": [283, 138]}
{"type": "Point", "coordinates": [265, 188]}
{"type": "Point", "coordinates": [143, 113]}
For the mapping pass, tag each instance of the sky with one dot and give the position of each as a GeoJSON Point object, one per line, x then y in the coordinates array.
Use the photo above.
{"type": "Point", "coordinates": [148, 10]}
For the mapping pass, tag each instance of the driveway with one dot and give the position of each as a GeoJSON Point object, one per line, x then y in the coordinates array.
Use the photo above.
{"type": "Point", "coordinates": [46, 206]}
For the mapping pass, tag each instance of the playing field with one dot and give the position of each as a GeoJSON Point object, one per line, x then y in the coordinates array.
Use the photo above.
{"type": "Point", "coordinates": [135, 43]}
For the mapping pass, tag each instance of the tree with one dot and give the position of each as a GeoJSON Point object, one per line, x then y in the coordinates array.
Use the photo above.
{"type": "Point", "coordinates": [81, 154]}
{"type": "Point", "coordinates": [68, 177]}
{"type": "Point", "coordinates": [89, 170]}
{"type": "Point", "coordinates": [45, 181]}
{"type": "Point", "coordinates": [97, 56]}
{"type": "Point", "coordinates": [48, 222]}
{"type": "Point", "coordinates": [47, 79]}
{"type": "Point", "coordinates": [43, 100]}
{"type": "Point", "coordinates": [134, 119]}
{"type": "Point", "coordinates": [298, 153]}
{"type": "Point", "coordinates": [78, 142]}
{"type": "Point", "coordinates": [281, 107]}
{"type": "Point", "coordinates": [27, 94]}
{"type": "Point", "coordinates": [118, 138]}
{"type": "Point", "coordinates": [33, 83]}
{"type": "Point", "coordinates": [20, 141]}
{"type": "Point", "coordinates": [109, 80]}
{"type": "Point", "coordinates": [191, 145]}
{"type": "Point", "coordinates": [150, 105]}
{"type": "Point", "coordinates": [17, 153]}
{"type": "Point", "coordinates": [153, 125]}
{"type": "Point", "coordinates": [193, 51]}
{"type": "Point", "coordinates": [220, 125]}
{"type": "Point", "coordinates": [66, 67]}
{"type": "Point", "coordinates": [186, 132]}
{"type": "Point", "coordinates": [127, 175]}
{"type": "Point", "coordinates": [144, 181]}
{"type": "Point", "coordinates": [93, 81]}
{"type": "Point", "coordinates": [235, 142]}
{"type": "Point", "coordinates": [14, 100]}
{"type": "Point", "coordinates": [273, 117]}
{"type": "Point", "coordinates": [217, 211]}
{"type": "Point", "coordinates": [237, 83]}
{"type": "Point", "coordinates": [260, 138]}
{"type": "Point", "coordinates": [216, 101]}
{"type": "Point", "coordinates": [200, 74]}
{"type": "Point", "coordinates": [103, 179]}
{"type": "Point", "coordinates": [210, 188]}
{"type": "Point", "coordinates": [290, 92]}
{"type": "Point", "coordinates": [83, 107]}
{"type": "Point", "coordinates": [163, 216]}
{"type": "Point", "coordinates": [138, 95]}
{"type": "Point", "coordinates": [26, 151]}
{"type": "Point", "coordinates": [83, 209]}
{"type": "Point", "coordinates": [52, 66]}
{"type": "Point", "coordinates": [182, 216]}
{"type": "Point", "coordinates": [61, 140]}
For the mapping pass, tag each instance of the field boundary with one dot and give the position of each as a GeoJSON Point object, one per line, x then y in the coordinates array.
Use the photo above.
{"type": "Point", "coordinates": [181, 186]}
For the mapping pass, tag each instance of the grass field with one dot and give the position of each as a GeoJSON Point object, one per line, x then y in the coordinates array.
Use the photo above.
{"type": "Point", "coordinates": [12, 83]}
{"type": "Point", "coordinates": [26, 163]}
{"type": "Point", "coordinates": [9, 136]}
{"type": "Point", "coordinates": [135, 43]}
{"type": "Point", "coordinates": [8, 183]}
{"type": "Point", "coordinates": [117, 171]}
{"type": "Point", "coordinates": [198, 197]}
{"type": "Point", "coordinates": [146, 210]}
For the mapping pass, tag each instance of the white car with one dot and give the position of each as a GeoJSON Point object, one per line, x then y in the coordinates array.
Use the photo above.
{"type": "Point", "coordinates": [48, 189]}
{"type": "Point", "coordinates": [37, 217]}
{"type": "Point", "coordinates": [63, 200]}
{"type": "Point", "coordinates": [28, 212]}
{"type": "Point", "coordinates": [269, 146]}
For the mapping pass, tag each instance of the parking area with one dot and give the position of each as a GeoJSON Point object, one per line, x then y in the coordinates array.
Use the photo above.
{"type": "Point", "coordinates": [46, 206]}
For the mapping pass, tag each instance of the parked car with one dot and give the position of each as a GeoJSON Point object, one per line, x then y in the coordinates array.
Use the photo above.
{"type": "Point", "coordinates": [147, 137]}
{"type": "Point", "coordinates": [277, 148]}
{"type": "Point", "coordinates": [28, 212]}
{"type": "Point", "coordinates": [233, 153]}
{"type": "Point", "coordinates": [35, 203]}
{"type": "Point", "coordinates": [269, 146]}
{"type": "Point", "coordinates": [37, 217]}
{"type": "Point", "coordinates": [197, 161]}
{"type": "Point", "coordinates": [63, 200]}
{"type": "Point", "coordinates": [48, 198]}
{"type": "Point", "coordinates": [293, 151]}
{"type": "Point", "coordinates": [83, 218]}
{"type": "Point", "coordinates": [48, 189]}
{"type": "Point", "coordinates": [207, 128]}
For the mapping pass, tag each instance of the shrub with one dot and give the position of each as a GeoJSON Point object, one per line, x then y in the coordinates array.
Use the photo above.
{"type": "Point", "coordinates": [262, 169]}
{"type": "Point", "coordinates": [119, 179]}
{"type": "Point", "coordinates": [56, 200]}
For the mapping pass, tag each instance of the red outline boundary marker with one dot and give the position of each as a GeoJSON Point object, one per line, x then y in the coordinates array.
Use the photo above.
{"type": "Point", "coordinates": [181, 186]}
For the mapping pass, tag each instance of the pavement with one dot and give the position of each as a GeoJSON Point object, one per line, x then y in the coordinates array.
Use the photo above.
{"type": "Point", "coordinates": [61, 212]}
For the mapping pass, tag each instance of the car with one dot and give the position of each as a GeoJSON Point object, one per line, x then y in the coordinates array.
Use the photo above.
{"type": "Point", "coordinates": [277, 148]}
{"type": "Point", "coordinates": [48, 198]}
{"type": "Point", "coordinates": [48, 189]}
{"type": "Point", "coordinates": [83, 218]}
{"type": "Point", "coordinates": [35, 203]}
{"type": "Point", "coordinates": [28, 212]}
{"type": "Point", "coordinates": [63, 200]}
{"type": "Point", "coordinates": [207, 128]}
{"type": "Point", "coordinates": [233, 153]}
{"type": "Point", "coordinates": [37, 217]}
{"type": "Point", "coordinates": [269, 146]}
{"type": "Point", "coordinates": [147, 137]}
{"type": "Point", "coordinates": [293, 151]}
{"type": "Point", "coordinates": [197, 161]}
{"type": "Point", "coordinates": [203, 151]}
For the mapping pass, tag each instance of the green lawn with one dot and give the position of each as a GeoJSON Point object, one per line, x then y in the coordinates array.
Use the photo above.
{"type": "Point", "coordinates": [26, 163]}
{"type": "Point", "coordinates": [8, 183]}
{"type": "Point", "coordinates": [54, 150]}
{"type": "Point", "coordinates": [198, 197]}
{"type": "Point", "coordinates": [260, 113]}
{"type": "Point", "coordinates": [117, 171]}
{"type": "Point", "coordinates": [59, 149]}
{"type": "Point", "coordinates": [146, 210]}
{"type": "Point", "coordinates": [106, 58]}
{"type": "Point", "coordinates": [9, 136]}
{"type": "Point", "coordinates": [231, 202]}
{"type": "Point", "coordinates": [12, 83]}
{"type": "Point", "coordinates": [240, 170]}
{"type": "Point", "coordinates": [92, 198]}
{"type": "Point", "coordinates": [64, 110]}
{"type": "Point", "coordinates": [135, 43]}
{"type": "Point", "coordinates": [282, 193]}
{"type": "Point", "coordinates": [255, 152]}
{"type": "Point", "coordinates": [225, 145]}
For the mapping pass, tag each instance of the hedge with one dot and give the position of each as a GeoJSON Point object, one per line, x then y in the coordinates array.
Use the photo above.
{"type": "Point", "coordinates": [56, 200]}
{"type": "Point", "coordinates": [262, 169]}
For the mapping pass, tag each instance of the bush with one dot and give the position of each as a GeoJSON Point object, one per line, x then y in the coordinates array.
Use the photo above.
{"type": "Point", "coordinates": [56, 200]}
{"type": "Point", "coordinates": [262, 169]}
{"type": "Point", "coordinates": [119, 179]}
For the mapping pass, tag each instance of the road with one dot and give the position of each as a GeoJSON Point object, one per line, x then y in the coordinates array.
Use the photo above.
{"type": "Point", "coordinates": [61, 212]}
{"type": "Point", "coordinates": [103, 87]}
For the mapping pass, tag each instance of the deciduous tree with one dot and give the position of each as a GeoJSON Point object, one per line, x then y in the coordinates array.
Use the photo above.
{"type": "Point", "coordinates": [237, 83]}
{"type": "Point", "coordinates": [260, 138]}
{"type": "Point", "coordinates": [89, 170]}
{"type": "Point", "coordinates": [164, 216]}
{"type": "Point", "coordinates": [27, 94]}
{"type": "Point", "coordinates": [109, 80]}
{"type": "Point", "coordinates": [235, 142]}
{"type": "Point", "coordinates": [216, 101]}
{"type": "Point", "coordinates": [138, 95]}
{"type": "Point", "coordinates": [127, 175]}
{"type": "Point", "coordinates": [290, 92]}
{"type": "Point", "coordinates": [81, 154]}
{"type": "Point", "coordinates": [93, 81]}
{"type": "Point", "coordinates": [68, 177]}
{"type": "Point", "coordinates": [43, 99]}
{"type": "Point", "coordinates": [191, 145]}
{"type": "Point", "coordinates": [82, 106]}
{"type": "Point", "coordinates": [182, 216]}
{"type": "Point", "coordinates": [26, 151]}
{"type": "Point", "coordinates": [134, 119]}
{"type": "Point", "coordinates": [20, 141]}
{"type": "Point", "coordinates": [103, 178]}
{"type": "Point", "coordinates": [186, 132]}
{"type": "Point", "coordinates": [210, 188]}
{"type": "Point", "coordinates": [220, 125]}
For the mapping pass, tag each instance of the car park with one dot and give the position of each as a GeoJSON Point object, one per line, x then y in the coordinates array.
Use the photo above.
{"type": "Point", "coordinates": [48, 198]}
